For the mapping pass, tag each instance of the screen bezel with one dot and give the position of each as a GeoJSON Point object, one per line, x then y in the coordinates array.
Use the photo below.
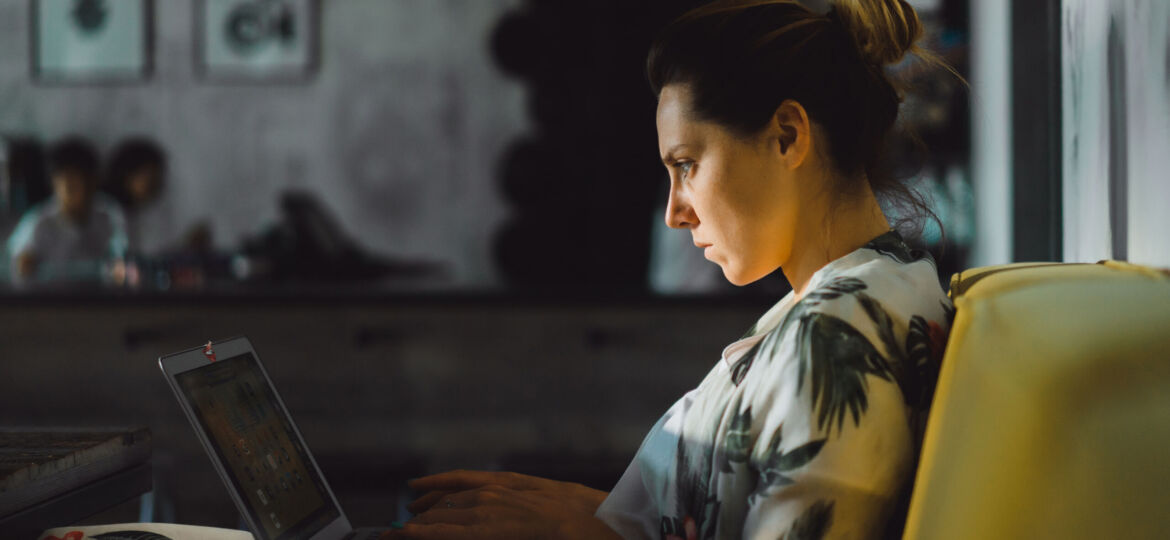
{"type": "Point", "coordinates": [180, 362]}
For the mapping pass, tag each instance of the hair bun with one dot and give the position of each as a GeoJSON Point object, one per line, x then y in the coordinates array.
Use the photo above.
{"type": "Point", "coordinates": [883, 30]}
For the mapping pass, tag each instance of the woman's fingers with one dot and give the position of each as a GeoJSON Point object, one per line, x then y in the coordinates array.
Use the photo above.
{"type": "Point", "coordinates": [440, 502]}
{"type": "Point", "coordinates": [422, 504]}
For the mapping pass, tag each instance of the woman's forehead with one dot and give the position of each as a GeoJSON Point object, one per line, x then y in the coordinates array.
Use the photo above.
{"type": "Point", "coordinates": [676, 122]}
{"type": "Point", "coordinates": [680, 128]}
{"type": "Point", "coordinates": [674, 103]}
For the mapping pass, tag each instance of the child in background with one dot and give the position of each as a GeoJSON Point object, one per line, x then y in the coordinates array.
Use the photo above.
{"type": "Point", "coordinates": [75, 234]}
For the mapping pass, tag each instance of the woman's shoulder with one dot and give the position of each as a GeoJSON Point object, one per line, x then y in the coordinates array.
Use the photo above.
{"type": "Point", "coordinates": [874, 314]}
{"type": "Point", "coordinates": [886, 271]}
{"type": "Point", "coordinates": [875, 293]}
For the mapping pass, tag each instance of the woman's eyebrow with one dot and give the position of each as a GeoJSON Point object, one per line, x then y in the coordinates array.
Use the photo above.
{"type": "Point", "coordinates": [668, 157]}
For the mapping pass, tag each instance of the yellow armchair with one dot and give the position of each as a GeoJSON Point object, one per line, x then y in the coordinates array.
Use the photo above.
{"type": "Point", "coordinates": [1051, 418]}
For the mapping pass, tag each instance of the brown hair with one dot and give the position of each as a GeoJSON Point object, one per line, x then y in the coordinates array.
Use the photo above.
{"type": "Point", "coordinates": [741, 58]}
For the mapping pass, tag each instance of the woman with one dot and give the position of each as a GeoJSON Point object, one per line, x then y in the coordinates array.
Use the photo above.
{"type": "Point", "coordinates": [771, 121]}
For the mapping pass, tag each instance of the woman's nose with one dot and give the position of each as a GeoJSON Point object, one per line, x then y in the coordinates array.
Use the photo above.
{"type": "Point", "coordinates": [679, 214]}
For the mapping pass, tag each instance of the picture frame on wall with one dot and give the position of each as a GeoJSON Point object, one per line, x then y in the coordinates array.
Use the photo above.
{"type": "Point", "coordinates": [91, 41]}
{"type": "Point", "coordinates": [257, 41]}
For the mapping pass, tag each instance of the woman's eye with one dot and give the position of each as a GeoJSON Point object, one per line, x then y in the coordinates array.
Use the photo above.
{"type": "Point", "coordinates": [685, 167]}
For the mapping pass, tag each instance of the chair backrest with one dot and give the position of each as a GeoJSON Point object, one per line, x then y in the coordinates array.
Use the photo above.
{"type": "Point", "coordinates": [1051, 417]}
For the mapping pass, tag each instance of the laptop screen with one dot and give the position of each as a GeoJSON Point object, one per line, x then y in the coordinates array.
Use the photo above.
{"type": "Point", "coordinates": [254, 438]}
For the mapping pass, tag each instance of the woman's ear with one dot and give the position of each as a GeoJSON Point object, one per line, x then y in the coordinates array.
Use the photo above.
{"type": "Point", "coordinates": [792, 131]}
{"type": "Point", "coordinates": [786, 138]}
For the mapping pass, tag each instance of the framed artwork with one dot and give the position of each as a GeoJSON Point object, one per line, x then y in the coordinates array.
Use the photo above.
{"type": "Point", "coordinates": [85, 41]}
{"type": "Point", "coordinates": [257, 40]}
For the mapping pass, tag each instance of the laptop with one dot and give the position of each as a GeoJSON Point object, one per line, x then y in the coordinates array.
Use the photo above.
{"type": "Point", "coordinates": [254, 444]}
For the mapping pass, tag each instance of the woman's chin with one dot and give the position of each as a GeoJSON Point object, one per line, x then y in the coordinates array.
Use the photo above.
{"type": "Point", "coordinates": [735, 277]}
{"type": "Point", "coordinates": [740, 277]}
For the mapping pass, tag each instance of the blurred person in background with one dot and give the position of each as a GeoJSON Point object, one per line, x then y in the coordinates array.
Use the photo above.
{"type": "Point", "coordinates": [773, 123]}
{"type": "Point", "coordinates": [75, 234]}
{"type": "Point", "coordinates": [135, 177]}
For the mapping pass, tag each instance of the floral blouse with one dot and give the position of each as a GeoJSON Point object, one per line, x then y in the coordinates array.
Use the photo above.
{"type": "Point", "coordinates": [809, 426]}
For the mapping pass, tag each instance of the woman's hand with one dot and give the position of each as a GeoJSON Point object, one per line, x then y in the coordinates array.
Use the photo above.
{"type": "Point", "coordinates": [470, 504]}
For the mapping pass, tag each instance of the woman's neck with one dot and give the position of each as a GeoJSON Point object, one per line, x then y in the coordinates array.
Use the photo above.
{"type": "Point", "coordinates": [851, 225]}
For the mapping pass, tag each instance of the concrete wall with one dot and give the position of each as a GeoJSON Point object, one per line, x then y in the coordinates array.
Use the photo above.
{"type": "Point", "coordinates": [398, 133]}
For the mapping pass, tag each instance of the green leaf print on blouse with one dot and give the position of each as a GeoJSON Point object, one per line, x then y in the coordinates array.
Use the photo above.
{"type": "Point", "coordinates": [922, 373]}
{"type": "Point", "coordinates": [837, 358]}
{"type": "Point", "coordinates": [776, 465]}
{"type": "Point", "coordinates": [915, 366]}
{"type": "Point", "coordinates": [739, 371]}
{"type": "Point", "coordinates": [695, 499]}
{"type": "Point", "coordinates": [836, 355]}
{"type": "Point", "coordinates": [812, 524]}
{"type": "Point", "coordinates": [737, 444]}
{"type": "Point", "coordinates": [832, 290]}
{"type": "Point", "coordinates": [893, 246]}
{"type": "Point", "coordinates": [926, 342]}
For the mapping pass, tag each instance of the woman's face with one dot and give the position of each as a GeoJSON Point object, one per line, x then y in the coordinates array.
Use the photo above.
{"type": "Point", "coordinates": [739, 197]}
